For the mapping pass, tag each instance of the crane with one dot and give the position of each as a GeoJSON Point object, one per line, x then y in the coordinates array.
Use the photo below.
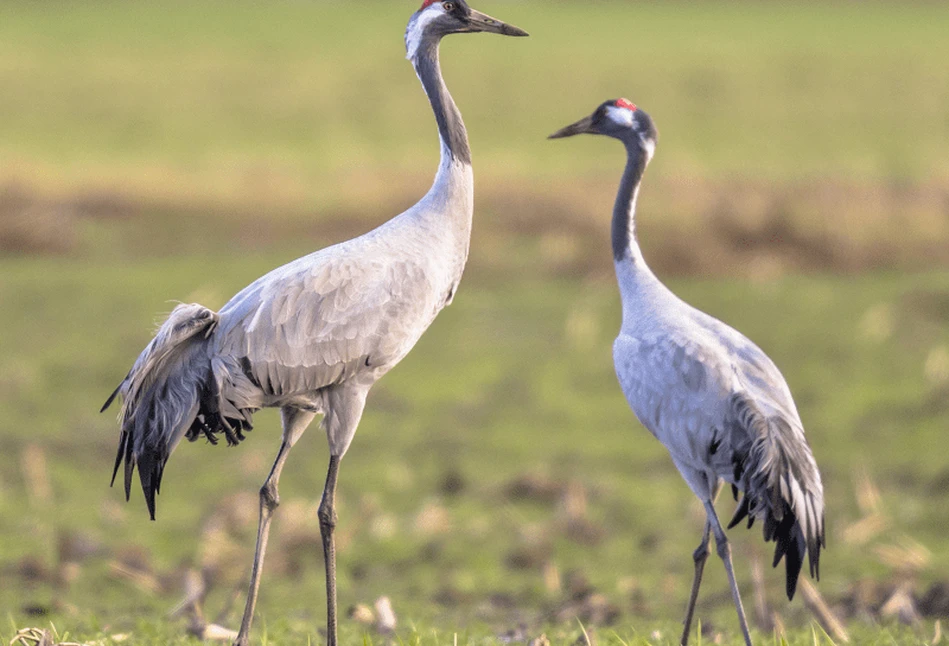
{"type": "Point", "coordinates": [313, 336]}
{"type": "Point", "coordinates": [711, 396]}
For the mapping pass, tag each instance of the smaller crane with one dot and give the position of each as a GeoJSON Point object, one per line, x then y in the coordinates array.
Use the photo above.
{"type": "Point", "coordinates": [711, 396]}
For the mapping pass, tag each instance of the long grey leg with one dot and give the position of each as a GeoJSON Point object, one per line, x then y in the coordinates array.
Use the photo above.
{"type": "Point", "coordinates": [327, 515]}
{"type": "Point", "coordinates": [295, 422]}
{"type": "Point", "coordinates": [700, 555]}
{"type": "Point", "coordinates": [725, 552]}
{"type": "Point", "coordinates": [269, 500]}
{"type": "Point", "coordinates": [344, 409]}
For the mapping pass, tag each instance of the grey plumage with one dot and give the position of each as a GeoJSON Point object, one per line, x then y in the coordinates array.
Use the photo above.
{"type": "Point", "coordinates": [162, 396]}
{"type": "Point", "coordinates": [711, 396]}
{"type": "Point", "coordinates": [313, 336]}
{"type": "Point", "coordinates": [335, 320]}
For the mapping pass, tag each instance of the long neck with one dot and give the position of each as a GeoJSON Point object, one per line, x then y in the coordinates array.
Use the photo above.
{"type": "Point", "coordinates": [447, 209]}
{"type": "Point", "coordinates": [625, 247]}
{"type": "Point", "coordinates": [451, 127]}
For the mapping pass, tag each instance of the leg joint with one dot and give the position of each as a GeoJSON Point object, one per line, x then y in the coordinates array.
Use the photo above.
{"type": "Point", "coordinates": [269, 498]}
{"type": "Point", "coordinates": [327, 516]}
{"type": "Point", "coordinates": [700, 553]}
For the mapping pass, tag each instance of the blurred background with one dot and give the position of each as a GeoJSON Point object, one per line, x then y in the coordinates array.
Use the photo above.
{"type": "Point", "coordinates": [499, 488]}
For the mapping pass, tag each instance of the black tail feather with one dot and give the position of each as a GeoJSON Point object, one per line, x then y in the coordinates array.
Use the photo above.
{"type": "Point", "coordinates": [171, 381]}
{"type": "Point", "coordinates": [129, 466]}
{"type": "Point", "coordinates": [108, 402]}
{"type": "Point", "coordinates": [151, 461]}
{"type": "Point", "coordinates": [740, 512]}
{"type": "Point", "coordinates": [161, 472]}
{"type": "Point", "coordinates": [123, 438]}
{"type": "Point", "coordinates": [149, 467]}
{"type": "Point", "coordinates": [777, 474]}
{"type": "Point", "coordinates": [790, 545]}
{"type": "Point", "coordinates": [813, 551]}
{"type": "Point", "coordinates": [794, 559]}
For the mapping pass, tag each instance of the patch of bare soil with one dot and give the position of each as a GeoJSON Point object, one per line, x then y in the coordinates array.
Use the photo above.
{"type": "Point", "coordinates": [687, 225]}
{"type": "Point", "coordinates": [691, 225]}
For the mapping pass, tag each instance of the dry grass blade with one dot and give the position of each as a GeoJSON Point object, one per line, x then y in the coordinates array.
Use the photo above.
{"type": "Point", "coordinates": [41, 637]}
{"type": "Point", "coordinates": [937, 633]}
{"type": "Point", "coordinates": [586, 636]}
{"type": "Point", "coordinates": [868, 496]}
{"type": "Point", "coordinates": [822, 612]}
{"type": "Point", "coordinates": [195, 590]}
{"type": "Point", "coordinates": [36, 475]}
{"type": "Point", "coordinates": [762, 611]}
{"type": "Point", "coordinates": [32, 637]}
{"type": "Point", "coordinates": [905, 556]}
{"type": "Point", "coordinates": [142, 580]}
{"type": "Point", "coordinates": [551, 575]}
{"type": "Point", "coordinates": [901, 605]}
{"type": "Point", "coordinates": [780, 634]}
{"type": "Point", "coordinates": [865, 529]}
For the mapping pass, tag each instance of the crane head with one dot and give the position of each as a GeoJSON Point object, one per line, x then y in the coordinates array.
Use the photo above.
{"type": "Point", "coordinates": [436, 18]}
{"type": "Point", "coordinates": [617, 118]}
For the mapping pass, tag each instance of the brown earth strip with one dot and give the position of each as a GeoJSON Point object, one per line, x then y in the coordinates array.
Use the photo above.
{"type": "Point", "coordinates": [688, 225]}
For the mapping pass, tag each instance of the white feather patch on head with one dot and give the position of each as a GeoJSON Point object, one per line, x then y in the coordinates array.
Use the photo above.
{"type": "Point", "coordinates": [417, 26]}
{"type": "Point", "coordinates": [620, 116]}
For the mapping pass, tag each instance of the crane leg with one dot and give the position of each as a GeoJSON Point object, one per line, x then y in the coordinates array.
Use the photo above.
{"type": "Point", "coordinates": [295, 422]}
{"type": "Point", "coordinates": [269, 500]}
{"type": "Point", "coordinates": [700, 555]}
{"type": "Point", "coordinates": [725, 552]}
{"type": "Point", "coordinates": [327, 515]}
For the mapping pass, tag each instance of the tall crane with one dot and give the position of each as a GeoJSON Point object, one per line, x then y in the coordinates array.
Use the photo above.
{"type": "Point", "coordinates": [313, 336]}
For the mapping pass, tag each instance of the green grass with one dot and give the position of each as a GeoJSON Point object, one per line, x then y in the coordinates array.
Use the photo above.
{"type": "Point", "coordinates": [514, 378]}
{"type": "Point", "coordinates": [222, 98]}
{"type": "Point", "coordinates": [824, 121]}
{"type": "Point", "coordinates": [177, 150]}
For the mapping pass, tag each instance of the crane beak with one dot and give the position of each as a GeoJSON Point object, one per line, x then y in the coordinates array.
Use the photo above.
{"type": "Point", "coordinates": [582, 127]}
{"type": "Point", "coordinates": [478, 21]}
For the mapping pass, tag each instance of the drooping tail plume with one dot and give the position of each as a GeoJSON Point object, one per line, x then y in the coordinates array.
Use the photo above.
{"type": "Point", "coordinates": [162, 396]}
{"type": "Point", "coordinates": [782, 487]}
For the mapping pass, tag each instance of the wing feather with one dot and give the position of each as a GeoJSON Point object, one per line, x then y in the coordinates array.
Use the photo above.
{"type": "Point", "coordinates": [307, 324]}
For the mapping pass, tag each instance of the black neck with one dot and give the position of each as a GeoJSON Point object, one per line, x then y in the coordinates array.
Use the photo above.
{"type": "Point", "coordinates": [624, 211]}
{"type": "Point", "coordinates": [451, 128]}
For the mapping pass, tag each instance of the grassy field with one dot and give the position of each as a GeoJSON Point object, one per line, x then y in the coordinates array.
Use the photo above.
{"type": "Point", "coordinates": [499, 488]}
{"type": "Point", "coordinates": [823, 122]}
{"type": "Point", "coordinates": [498, 455]}
{"type": "Point", "coordinates": [207, 91]}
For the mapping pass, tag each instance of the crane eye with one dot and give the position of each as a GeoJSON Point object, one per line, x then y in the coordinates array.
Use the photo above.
{"type": "Point", "coordinates": [448, 6]}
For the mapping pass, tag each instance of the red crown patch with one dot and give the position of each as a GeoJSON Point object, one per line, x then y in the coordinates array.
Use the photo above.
{"type": "Point", "coordinates": [625, 103]}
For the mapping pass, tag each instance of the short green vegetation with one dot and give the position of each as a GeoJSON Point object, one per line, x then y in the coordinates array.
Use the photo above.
{"type": "Point", "coordinates": [499, 488]}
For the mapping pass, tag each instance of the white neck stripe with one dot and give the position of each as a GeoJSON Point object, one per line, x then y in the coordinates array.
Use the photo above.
{"type": "Point", "coordinates": [418, 24]}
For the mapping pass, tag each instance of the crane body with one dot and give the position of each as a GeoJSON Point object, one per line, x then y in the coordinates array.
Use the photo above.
{"type": "Point", "coordinates": [712, 397]}
{"type": "Point", "coordinates": [313, 336]}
